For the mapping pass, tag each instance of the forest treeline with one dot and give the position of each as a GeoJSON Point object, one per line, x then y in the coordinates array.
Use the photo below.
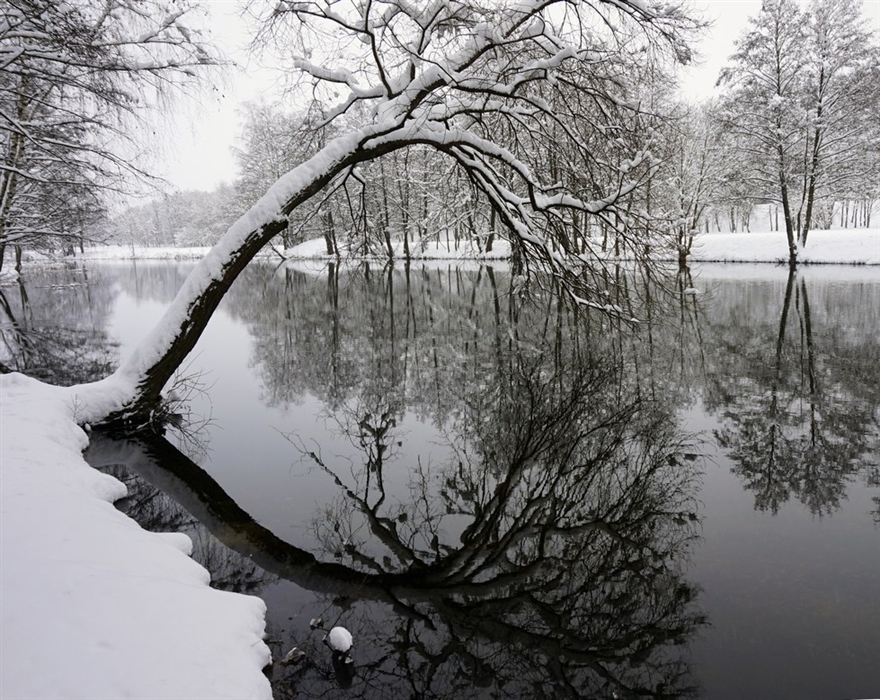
{"type": "Point", "coordinates": [789, 146]}
{"type": "Point", "coordinates": [791, 142]}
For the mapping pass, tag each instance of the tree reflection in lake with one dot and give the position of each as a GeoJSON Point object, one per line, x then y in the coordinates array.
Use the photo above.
{"type": "Point", "coordinates": [155, 510]}
{"type": "Point", "coordinates": [504, 502]}
{"type": "Point", "coordinates": [799, 407]}
{"type": "Point", "coordinates": [53, 325]}
{"type": "Point", "coordinates": [545, 559]}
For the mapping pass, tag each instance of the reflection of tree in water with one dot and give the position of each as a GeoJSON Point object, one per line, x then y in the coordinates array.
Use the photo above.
{"type": "Point", "coordinates": [155, 511]}
{"type": "Point", "coordinates": [415, 336]}
{"type": "Point", "coordinates": [542, 556]}
{"type": "Point", "coordinates": [799, 403]}
{"type": "Point", "coordinates": [53, 325]}
{"type": "Point", "coordinates": [151, 280]}
{"type": "Point", "coordinates": [543, 560]}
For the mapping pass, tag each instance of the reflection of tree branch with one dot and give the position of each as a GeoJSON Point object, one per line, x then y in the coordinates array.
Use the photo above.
{"type": "Point", "coordinates": [542, 552]}
{"type": "Point", "coordinates": [553, 580]}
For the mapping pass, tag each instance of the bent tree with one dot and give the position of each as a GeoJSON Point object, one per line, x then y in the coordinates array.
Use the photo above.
{"type": "Point", "coordinates": [501, 90]}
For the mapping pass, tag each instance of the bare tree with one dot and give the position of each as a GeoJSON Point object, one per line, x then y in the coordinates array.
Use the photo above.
{"type": "Point", "coordinates": [802, 101]}
{"type": "Point", "coordinates": [693, 174]}
{"type": "Point", "coordinates": [73, 79]}
{"type": "Point", "coordinates": [448, 75]}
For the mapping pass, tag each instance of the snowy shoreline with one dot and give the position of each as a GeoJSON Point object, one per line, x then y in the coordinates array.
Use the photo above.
{"type": "Point", "coordinates": [93, 606]}
{"type": "Point", "coordinates": [833, 247]}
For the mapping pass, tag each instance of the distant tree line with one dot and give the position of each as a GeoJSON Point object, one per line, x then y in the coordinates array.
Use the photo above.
{"type": "Point", "coordinates": [793, 140]}
{"type": "Point", "coordinates": [792, 143]}
{"type": "Point", "coordinates": [74, 77]}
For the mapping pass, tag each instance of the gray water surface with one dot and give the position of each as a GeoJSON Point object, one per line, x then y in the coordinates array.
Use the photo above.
{"type": "Point", "coordinates": [501, 500]}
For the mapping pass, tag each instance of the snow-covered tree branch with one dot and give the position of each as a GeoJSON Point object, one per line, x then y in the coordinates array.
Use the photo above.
{"type": "Point", "coordinates": [531, 101]}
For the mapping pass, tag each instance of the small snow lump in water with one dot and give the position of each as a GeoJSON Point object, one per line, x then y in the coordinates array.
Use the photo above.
{"type": "Point", "coordinates": [339, 640]}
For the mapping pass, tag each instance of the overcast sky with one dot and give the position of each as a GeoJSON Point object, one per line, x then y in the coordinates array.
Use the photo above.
{"type": "Point", "coordinates": [196, 153]}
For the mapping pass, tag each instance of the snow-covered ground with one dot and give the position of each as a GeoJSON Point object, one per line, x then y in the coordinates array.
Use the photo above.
{"type": "Point", "coordinates": [842, 246]}
{"type": "Point", "coordinates": [839, 246]}
{"type": "Point", "coordinates": [93, 606]}
{"type": "Point", "coordinates": [141, 252]}
{"type": "Point", "coordinates": [315, 249]}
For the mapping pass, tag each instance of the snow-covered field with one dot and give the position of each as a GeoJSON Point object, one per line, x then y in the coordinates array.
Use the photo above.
{"type": "Point", "coordinates": [315, 249]}
{"type": "Point", "coordinates": [140, 252]}
{"type": "Point", "coordinates": [839, 246]}
{"type": "Point", "coordinates": [842, 246]}
{"type": "Point", "coordinates": [92, 605]}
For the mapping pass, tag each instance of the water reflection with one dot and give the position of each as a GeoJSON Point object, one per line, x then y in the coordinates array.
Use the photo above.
{"type": "Point", "coordinates": [546, 558]}
{"type": "Point", "coordinates": [505, 504]}
{"type": "Point", "coordinates": [53, 325]}
{"type": "Point", "coordinates": [799, 407]}
{"type": "Point", "coordinates": [156, 510]}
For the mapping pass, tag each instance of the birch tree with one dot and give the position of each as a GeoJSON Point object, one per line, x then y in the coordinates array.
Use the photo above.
{"type": "Point", "coordinates": [444, 75]}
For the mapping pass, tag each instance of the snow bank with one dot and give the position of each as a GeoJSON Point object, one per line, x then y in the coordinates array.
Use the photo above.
{"type": "Point", "coordinates": [92, 605]}
{"type": "Point", "coordinates": [842, 246]}
{"type": "Point", "coordinates": [316, 249]}
{"type": "Point", "coordinates": [142, 252]}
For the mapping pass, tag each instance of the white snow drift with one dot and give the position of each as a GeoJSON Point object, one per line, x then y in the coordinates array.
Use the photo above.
{"type": "Point", "coordinates": [92, 605]}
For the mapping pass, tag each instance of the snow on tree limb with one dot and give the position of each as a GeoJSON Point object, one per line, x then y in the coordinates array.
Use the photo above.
{"type": "Point", "coordinates": [548, 155]}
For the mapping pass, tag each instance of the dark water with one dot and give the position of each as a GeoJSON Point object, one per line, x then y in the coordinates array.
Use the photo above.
{"type": "Point", "coordinates": [499, 500]}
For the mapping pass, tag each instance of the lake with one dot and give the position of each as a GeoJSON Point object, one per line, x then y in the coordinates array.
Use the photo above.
{"type": "Point", "coordinates": [498, 498]}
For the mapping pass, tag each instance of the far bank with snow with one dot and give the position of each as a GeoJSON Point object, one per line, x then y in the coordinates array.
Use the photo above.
{"type": "Point", "coordinates": [835, 247]}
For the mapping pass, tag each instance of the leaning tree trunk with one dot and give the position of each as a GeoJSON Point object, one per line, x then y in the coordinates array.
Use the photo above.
{"type": "Point", "coordinates": [145, 374]}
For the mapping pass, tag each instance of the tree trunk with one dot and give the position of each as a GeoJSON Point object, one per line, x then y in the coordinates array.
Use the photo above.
{"type": "Point", "coordinates": [149, 369]}
{"type": "Point", "coordinates": [786, 209]}
{"type": "Point", "coordinates": [813, 175]}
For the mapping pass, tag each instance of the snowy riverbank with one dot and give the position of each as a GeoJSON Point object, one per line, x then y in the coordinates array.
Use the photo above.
{"type": "Point", "coordinates": [836, 247]}
{"type": "Point", "coordinates": [841, 247]}
{"type": "Point", "coordinates": [92, 605]}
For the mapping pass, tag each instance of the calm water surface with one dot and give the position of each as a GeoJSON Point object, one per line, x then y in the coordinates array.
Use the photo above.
{"type": "Point", "coordinates": [501, 501]}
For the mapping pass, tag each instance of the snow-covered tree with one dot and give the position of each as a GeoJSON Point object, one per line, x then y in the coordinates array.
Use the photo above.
{"type": "Point", "coordinates": [842, 100]}
{"type": "Point", "coordinates": [74, 76]}
{"type": "Point", "coordinates": [801, 102]}
{"type": "Point", "coordinates": [692, 174]}
{"type": "Point", "coordinates": [762, 105]}
{"type": "Point", "coordinates": [450, 76]}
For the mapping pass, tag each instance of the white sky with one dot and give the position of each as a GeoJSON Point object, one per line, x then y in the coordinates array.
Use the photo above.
{"type": "Point", "coordinates": [197, 153]}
